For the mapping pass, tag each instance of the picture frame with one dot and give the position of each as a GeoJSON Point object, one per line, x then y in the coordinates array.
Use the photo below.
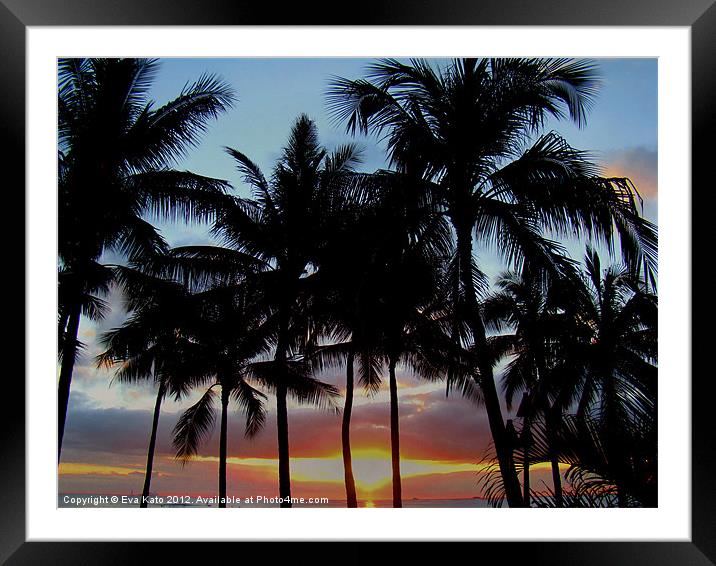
{"type": "Point", "coordinates": [699, 15]}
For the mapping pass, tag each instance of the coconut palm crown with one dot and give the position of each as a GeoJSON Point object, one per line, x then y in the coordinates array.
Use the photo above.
{"type": "Point", "coordinates": [116, 149]}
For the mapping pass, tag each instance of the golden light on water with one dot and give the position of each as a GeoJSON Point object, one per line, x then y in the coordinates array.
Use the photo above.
{"type": "Point", "coordinates": [371, 468]}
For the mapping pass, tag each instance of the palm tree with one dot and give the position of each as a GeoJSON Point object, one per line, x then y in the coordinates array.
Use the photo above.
{"type": "Point", "coordinates": [148, 344]}
{"type": "Point", "coordinates": [225, 337]}
{"type": "Point", "coordinates": [466, 128]}
{"type": "Point", "coordinates": [415, 339]}
{"type": "Point", "coordinates": [587, 344]}
{"type": "Point", "coordinates": [344, 299]}
{"type": "Point", "coordinates": [380, 282]}
{"type": "Point", "coordinates": [284, 226]}
{"type": "Point", "coordinates": [80, 290]}
{"type": "Point", "coordinates": [538, 310]}
{"type": "Point", "coordinates": [409, 327]}
{"type": "Point", "coordinates": [521, 303]}
{"type": "Point", "coordinates": [619, 390]}
{"type": "Point", "coordinates": [115, 154]}
{"type": "Point", "coordinates": [196, 423]}
{"type": "Point", "coordinates": [228, 343]}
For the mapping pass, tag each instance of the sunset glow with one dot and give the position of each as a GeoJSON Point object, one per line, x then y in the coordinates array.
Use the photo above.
{"type": "Point", "coordinates": [78, 469]}
{"type": "Point", "coordinates": [370, 466]}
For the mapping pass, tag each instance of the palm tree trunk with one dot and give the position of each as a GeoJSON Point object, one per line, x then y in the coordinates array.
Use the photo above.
{"type": "Point", "coordinates": [551, 423]}
{"type": "Point", "coordinates": [500, 438]}
{"type": "Point", "coordinates": [486, 381]}
{"type": "Point", "coordinates": [69, 350]}
{"type": "Point", "coordinates": [395, 437]}
{"type": "Point", "coordinates": [62, 326]}
{"type": "Point", "coordinates": [351, 498]}
{"type": "Point", "coordinates": [617, 461]}
{"type": "Point", "coordinates": [527, 439]}
{"type": "Point", "coordinates": [152, 444]}
{"type": "Point", "coordinates": [556, 481]}
{"type": "Point", "coordinates": [284, 461]}
{"type": "Point", "coordinates": [614, 446]}
{"type": "Point", "coordinates": [284, 469]}
{"type": "Point", "coordinates": [222, 446]}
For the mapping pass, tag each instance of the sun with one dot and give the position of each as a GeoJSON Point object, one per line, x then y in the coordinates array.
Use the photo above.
{"type": "Point", "coordinates": [371, 469]}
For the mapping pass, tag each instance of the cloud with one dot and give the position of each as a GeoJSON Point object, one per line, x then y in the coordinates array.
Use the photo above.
{"type": "Point", "coordinates": [639, 164]}
{"type": "Point", "coordinates": [102, 445]}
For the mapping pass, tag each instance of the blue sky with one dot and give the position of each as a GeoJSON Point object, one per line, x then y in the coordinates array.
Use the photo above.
{"type": "Point", "coordinates": [621, 132]}
{"type": "Point", "coordinates": [621, 127]}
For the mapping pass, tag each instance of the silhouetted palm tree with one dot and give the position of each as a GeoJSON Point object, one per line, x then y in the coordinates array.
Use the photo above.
{"type": "Point", "coordinates": [537, 309]}
{"type": "Point", "coordinates": [344, 299]}
{"type": "Point", "coordinates": [523, 305]}
{"type": "Point", "coordinates": [466, 128]}
{"type": "Point", "coordinates": [226, 336]}
{"type": "Point", "coordinates": [409, 325]}
{"type": "Point", "coordinates": [115, 150]}
{"type": "Point", "coordinates": [381, 277]}
{"type": "Point", "coordinates": [229, 341]}
{"type": "Point", "coordinates": [284, 226]}
{"type": "Point", "coordinates": [149, 344]}
{"type": "Point", "coordinates": [588, 345]}
{"type": "Point", "coordinates": [620, 389]}
{"type": "Point", "coordinates": [83, 289]}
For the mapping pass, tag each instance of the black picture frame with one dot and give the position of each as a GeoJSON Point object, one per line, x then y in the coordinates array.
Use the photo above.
{"type": "Point", "coordinates": [17, 15]}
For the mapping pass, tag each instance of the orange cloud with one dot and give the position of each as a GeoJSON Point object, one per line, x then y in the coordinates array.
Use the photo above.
{"type": "Point", "coordinates": [75, 468]}
{"type": "Point", "coordinates": [442, 439]}
{"type": "Point", "coordinates": [639, 165]}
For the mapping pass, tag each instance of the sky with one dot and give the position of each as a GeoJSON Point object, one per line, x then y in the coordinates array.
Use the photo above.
{"type": "Point", "coordinates": [443, 439]}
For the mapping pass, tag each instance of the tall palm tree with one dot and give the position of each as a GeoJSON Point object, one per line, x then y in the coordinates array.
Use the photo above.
{"type": "Point", "coordinates": [380, 275]}
{"type": "Point", "coordinates": [537, 309]}
{"type": "Point", "coordinates": [115, 153]}
{"type": "Point", "coordinates": [344, 299]}
{"type": "Point", "coordinates": [588, 345]}
{"type": "Point", "coordinates": [409, 325]}
{"type": "Point", "coordinates": [620, 388]}
{"type": "Point", "coordinates": [230, 340]}
{"type": "Point", "coordinates": [284, 226]}
{"type": "Point", "coordinates": [225, 337]}
{"type": "Point", "coordinates": [196, 423]}
{"type": "Point", "coordinates": [521, 303]}
{"type": "Point", "coordinates": [466, 128]}
{"type": "Point", "coordinates": [149, 344]}
{"type": "Point", "coordinates": [414, 339]}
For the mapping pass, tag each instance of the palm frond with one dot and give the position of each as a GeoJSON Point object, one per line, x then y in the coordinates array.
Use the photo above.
{"type": "Point", "coordinates": [171, 195]}
{"type": "Point", "coordinates": [194, 427]}
{"type": "Point", "coordinates": [252, 402]}
{"type": "Point", "coordinates": [165, 134]}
